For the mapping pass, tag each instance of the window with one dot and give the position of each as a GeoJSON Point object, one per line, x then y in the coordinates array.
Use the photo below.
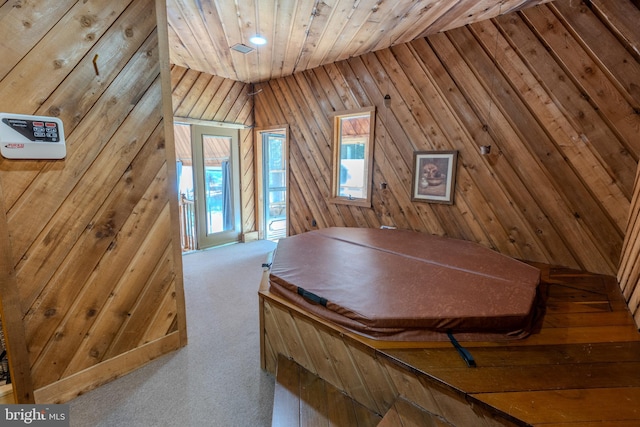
{"type": "Point", "coordinates": [353, 157]}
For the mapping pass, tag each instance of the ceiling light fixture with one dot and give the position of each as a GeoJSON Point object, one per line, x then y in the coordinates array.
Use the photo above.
{"type": "Point", "coordinates": [258, 39]}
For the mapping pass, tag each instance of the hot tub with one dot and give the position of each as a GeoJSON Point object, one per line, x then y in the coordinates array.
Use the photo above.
{"type": "Point", "coordinates": [405, 285]}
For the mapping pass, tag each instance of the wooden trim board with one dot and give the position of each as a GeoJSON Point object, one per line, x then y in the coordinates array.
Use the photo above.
{"type": "Point", "coordinates": [84, 381]}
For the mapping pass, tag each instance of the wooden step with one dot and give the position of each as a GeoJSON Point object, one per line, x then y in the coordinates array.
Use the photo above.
{"type": "Point", "coordinates": [405, 414]}
{"type": "Point", "coordinates": [304, 399]}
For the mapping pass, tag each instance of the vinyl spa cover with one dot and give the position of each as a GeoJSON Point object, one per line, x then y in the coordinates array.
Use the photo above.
{"type": "Point", "coordinates": [404, 285]}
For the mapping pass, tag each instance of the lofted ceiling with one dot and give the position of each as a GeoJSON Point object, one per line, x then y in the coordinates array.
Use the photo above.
{"type": "Point", "coordinates": [304, 34]}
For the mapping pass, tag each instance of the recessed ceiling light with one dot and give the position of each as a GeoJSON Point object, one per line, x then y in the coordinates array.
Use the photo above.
{"type": "Point", "coordinates": [242, 48]}
{"type": "Point", "coordinates": [258, 39]}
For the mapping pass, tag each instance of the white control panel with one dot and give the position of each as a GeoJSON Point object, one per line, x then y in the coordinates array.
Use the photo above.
{"type": "Point", "coordinates": [31, 137]}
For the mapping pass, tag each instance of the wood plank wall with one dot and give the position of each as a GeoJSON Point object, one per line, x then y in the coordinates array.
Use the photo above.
{"type": "Point", "coordinates": [205, 97]}
{"type": "Point", "coordinates": [553, 89]}
{"type": "Point", "coordinates": [93, 239]}
{"type": "Point", "coordinates": [629, 273]}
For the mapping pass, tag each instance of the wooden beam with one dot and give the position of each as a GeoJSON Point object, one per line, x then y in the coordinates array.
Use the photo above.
{"type": "Point", "coordinates": [11, 314]}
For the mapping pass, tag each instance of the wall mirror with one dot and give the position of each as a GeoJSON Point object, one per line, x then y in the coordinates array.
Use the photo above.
{"type": "Point", "coordinates": [353, 157]}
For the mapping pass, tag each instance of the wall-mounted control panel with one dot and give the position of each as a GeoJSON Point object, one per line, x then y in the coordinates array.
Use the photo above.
{"type": "Point", "coordinates": [31, 137]}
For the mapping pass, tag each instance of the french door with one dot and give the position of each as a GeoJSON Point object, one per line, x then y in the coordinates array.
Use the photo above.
{"type": "Point", "coordinates": [216, 185]}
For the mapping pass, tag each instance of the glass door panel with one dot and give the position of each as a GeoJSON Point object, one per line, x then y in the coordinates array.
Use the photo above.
{"type": "Point", "coordinates": [217, 185]}
{"type": "Point", "coordinates": [275, 185]}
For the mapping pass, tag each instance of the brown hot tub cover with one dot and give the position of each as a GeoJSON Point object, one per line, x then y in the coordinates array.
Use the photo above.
{"type": "Point", "coordinates": [404, 285]}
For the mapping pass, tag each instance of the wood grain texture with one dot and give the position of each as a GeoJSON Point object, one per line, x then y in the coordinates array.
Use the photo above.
{"type": "Point", "coordinates": [91, 237]}
{"type": "Point", "coordinates": [304, 399]}
{"type": "Point", "coordinates": [558, 189]}
{"type": "Point", "coordinates": [21, 389]}
{"type": "Point", "coordinates": [567, 372]}
{"type": "Point", "coordinates": [406, 414]}
{"type": "Point", "coordinates": [215, 99]}
{"type": "Point", "coordinates": [618, 18]}
{"type": "Point", "coordinates": [303, 35]}
{"type": "Point", "coordinates": [561, 119]}
{"type": "Point", "coordinates": [629, 273]}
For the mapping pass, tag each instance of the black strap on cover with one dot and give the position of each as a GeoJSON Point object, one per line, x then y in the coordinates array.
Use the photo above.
{"type": "Point", "coordinates": [463, 352]}
{"type": "Point", "coordinates": [312, 297]}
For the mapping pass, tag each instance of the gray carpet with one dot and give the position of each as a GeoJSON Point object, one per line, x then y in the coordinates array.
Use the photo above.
{"type": "Point", "coordinates": [216, 379]}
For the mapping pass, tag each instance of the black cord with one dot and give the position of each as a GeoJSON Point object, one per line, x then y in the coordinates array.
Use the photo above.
{"type": "Point", "coordinates": [464, 353]}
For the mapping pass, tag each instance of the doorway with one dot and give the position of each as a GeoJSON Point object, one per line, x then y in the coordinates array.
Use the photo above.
{"type": "Point", "coordinates": [209, 185]}
{"type": "Point", "coordinates": [272, 177]}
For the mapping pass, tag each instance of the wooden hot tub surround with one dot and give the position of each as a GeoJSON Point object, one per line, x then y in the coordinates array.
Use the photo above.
{"type": "Point", "coordinates": [581, 368]}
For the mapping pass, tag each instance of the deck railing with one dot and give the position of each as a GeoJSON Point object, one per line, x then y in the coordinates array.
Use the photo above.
{"type": "Point", "coordinates": [187, 224]}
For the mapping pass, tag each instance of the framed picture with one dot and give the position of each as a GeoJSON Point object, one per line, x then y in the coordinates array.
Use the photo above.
{"type": "Point", "coordinates": [434, 176]}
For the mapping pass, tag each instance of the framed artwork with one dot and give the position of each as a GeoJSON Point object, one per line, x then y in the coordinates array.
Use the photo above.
{"type": "Point", "coordinates": [434, 176]}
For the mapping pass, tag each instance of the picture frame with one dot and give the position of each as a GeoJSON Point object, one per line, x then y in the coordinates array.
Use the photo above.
{"type": "Point", "coordinates": [434, 176]}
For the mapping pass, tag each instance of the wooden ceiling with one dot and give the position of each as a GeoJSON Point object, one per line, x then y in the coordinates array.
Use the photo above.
{"type": "Point", "coordinates": [304, 34]}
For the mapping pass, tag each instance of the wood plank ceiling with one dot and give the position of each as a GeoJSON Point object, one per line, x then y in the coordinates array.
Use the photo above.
{"type": "Point", "coordinates": [305, 34]}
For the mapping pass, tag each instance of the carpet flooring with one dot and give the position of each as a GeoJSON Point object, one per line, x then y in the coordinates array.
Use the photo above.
{"type": "Point", "coordinates": [216, 379]}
